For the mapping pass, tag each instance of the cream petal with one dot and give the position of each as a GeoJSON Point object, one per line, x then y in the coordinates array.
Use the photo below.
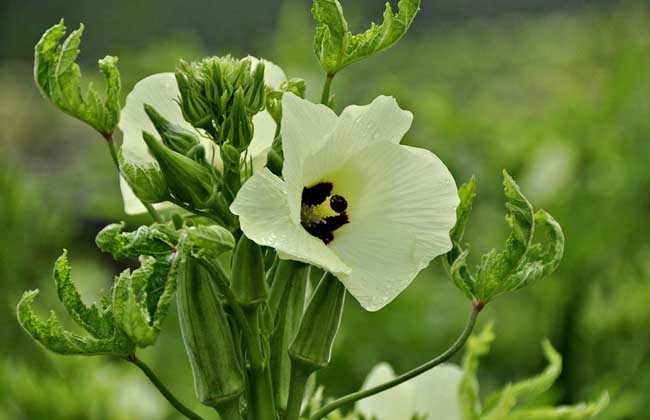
{"type": "Point", "coordinates": [264, 132]}
{"type": "Point", "coordinates": [382, 261]}
{"type": "Point", "coordinates": [436, 393]}
{"type": "Point", "coordinates": [263, 211]}
{"type": "Point", "coordinates": [305, 127]}
{"type": "Point", "coordinates": [404, 187]}
{"type": "Point", "coordinates": [160, 91]}
{"type": "Point", "coordinates": [274, 76]}
{"type": "Point", "coordinates": [397, 403]}
{"type": "Point", "coordinates": [263, 123]}
{"type": "Point", "coordinates": [358, 127]}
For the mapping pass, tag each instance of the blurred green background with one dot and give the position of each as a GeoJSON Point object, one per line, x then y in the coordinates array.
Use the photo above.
{"type": "Point", "coordinates": [556, 92]}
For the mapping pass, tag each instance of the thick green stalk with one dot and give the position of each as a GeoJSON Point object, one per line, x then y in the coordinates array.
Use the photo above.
{"type": "Point", "coordinates": [163, 389]}
{"type": "Point", "coordinates": [325, 97]}
{"type": "Point", "coordinates": [356, 396]}
{"type": "Point", "coordinates": [299, 377]}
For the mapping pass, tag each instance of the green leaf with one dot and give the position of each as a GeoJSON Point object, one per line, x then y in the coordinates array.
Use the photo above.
{"type": "Point", "coordinates": [146, 180]}
{"type": "Point", "coordinates": [97, 321]}
{"type": "Point", "coordinates": [103, 338]}
{"type": "Point", "coordinates": [522, 261]}
{"type": "Point", "coordinates": [136, 314]}
{"type": "Point", "coordinates": [336, 47]}
{"type": "Point", "coordinates": [59, 78]}
{"type": "Point", "coordinates": [532, 386]}
{"type": "Point", "coordinates": [146, 240]}
{"type": "Point", "coordinates": [208, 242]}
{"type": "Point", "coordinates": [573, 412]}
{"type": "Point", "coordinates": [494, 274]}
{"type": "Point", "coordinates": [468, 389]}
{"type": "Point", "coordinates": [459, 271]}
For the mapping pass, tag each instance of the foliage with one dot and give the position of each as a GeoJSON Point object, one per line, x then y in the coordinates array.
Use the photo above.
{"type": "Point", "coordinates": [521, 262]}
{"type": "Point", "coordinates": [336, 47]}
{"type": "Point", "coordinates": [59, 78]}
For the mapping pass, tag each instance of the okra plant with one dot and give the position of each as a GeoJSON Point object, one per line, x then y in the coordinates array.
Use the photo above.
{"type": "Point", "coordinates": [266, 211]}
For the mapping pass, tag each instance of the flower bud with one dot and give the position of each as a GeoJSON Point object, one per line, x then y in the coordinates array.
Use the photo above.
{"type": "Point", "coordinates": [248, 275]}
{"type": "Point", "coordinates": [256, 93]}
{"type": "Point", "coordinates": [216, 369]}
{"type": "Point", "coordinates": [188, 180]}
{"type": "Point", "coordinates": [173, 136]}
{"type": "Point", "coordinates": [238, 127]}
{"type": "Point", "coordinates": [312, 348]}
{"type": "Point", "coordinates": [146, 180]}
{"type": "Point", "coordinates": [194, 105]}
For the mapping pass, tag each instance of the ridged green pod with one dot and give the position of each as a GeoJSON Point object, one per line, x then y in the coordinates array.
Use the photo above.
{"type": "Point", "coordinates": [287, 304]}
{"type": "Point", "coordinates": [248, 275]}
{"type": "Point", "coordinates": [312, 347]}
{"type": "Point", "coordinates": [217, 372]}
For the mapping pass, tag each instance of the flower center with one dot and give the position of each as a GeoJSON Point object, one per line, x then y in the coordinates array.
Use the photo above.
{"type": "Point", "coordinates": [321, 212]}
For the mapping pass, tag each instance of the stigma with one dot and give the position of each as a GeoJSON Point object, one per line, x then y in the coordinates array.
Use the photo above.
{"type": "Point", "coordinates": [322, 212]}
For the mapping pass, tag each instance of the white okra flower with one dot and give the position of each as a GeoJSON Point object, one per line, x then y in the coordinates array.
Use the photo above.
{"type": "Point", "coordinates": [353, 200]}
{"type": "Point", "coordinates": [161, 91]}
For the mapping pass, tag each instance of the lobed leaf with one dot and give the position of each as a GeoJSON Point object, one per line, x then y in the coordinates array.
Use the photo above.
{"type": "Point", "coordinates": [51, 335]}
{"type": "Point", "coordinates": [96, 320]}
{"type": "Point", "coordinates": [336, 47]}
{"type": "Point", "coordinates": [137, 315]}
{"type": "Point", "coordinates": [573, 412]}
{"type": "Point", "coordinates": [59, 78]}
{"type": "Point", "coordinates": [532, 386]}
{"type": "Point", "coordinates": [146, 240]}
{"type": "Point", "coordinates": [103, 338]}
{"type": "Point", "coordinates": [520, 263]}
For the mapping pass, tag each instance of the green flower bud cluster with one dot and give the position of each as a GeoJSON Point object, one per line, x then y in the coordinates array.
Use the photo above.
{"type": "Point", "coordinates": [220, 95]}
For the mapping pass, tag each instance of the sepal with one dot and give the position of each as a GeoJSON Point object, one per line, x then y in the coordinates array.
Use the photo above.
{"type": "Point", "coordinates": [175, 137]}
{"type": "Point", "coordinates": [146, 180]}
{"type": "Point", "coordinates": [189, 181]}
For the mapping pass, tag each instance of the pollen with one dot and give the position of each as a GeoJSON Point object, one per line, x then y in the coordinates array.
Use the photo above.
{"type": "Point", "coordinates": [322, 212]}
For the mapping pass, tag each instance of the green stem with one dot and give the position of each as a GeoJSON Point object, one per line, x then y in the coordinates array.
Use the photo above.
{"type": "Point", "coordinates": [356, 396]}
{"type": "Point", "coordinates": [325, 97]}
{"type": "Point", "coordinates": [163, 389]}
{"type": "Point", "coordinates": [111, 147]}
{"type": "Point", "coordinates": [299, 376]}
